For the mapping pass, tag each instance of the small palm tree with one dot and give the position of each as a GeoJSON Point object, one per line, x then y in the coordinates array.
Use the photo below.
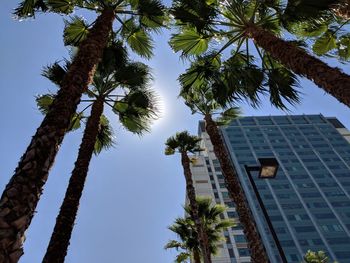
{"type": "Point", "coordinates": [136, 19]}
{"type": "Point", "coordinates": [202, 24]}
{"type": "Point", "coordinates": [316, 257]}
{"type": "Point", "coordinates": [183, 142]}
{"type": "Point", "coordinates": [187, 233]}
{"type": "Point", "coordinates": [125, 90]}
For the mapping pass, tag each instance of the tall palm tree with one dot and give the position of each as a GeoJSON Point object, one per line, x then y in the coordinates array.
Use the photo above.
{"type": "Point", "coordinates": [184, 228]}
{"type": "Point", "coordinates": [237, 21]}
{"type": "Point", "coordinates": [212, 88]}
{"type": "Point", "coordinates": [125, 90]}
{"type": "Point", "coordinates": [183, 142]}
{"type": "Point", "coordinates": [22, 193]}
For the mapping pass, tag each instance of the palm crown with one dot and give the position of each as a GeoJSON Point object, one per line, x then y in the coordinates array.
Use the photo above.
{"type": "Point", "coordinates": [185, 229]}
{"type": "Point", "coordinates": [182, 142]}
{"type": "Point", "coordinates": [122, 85]}
{"type": "Point", "coordinates": [136, 19]}
{"type": "Point", "coordinates": [223, 84]}
{"type": "Point", "coordinates": [229, 27]}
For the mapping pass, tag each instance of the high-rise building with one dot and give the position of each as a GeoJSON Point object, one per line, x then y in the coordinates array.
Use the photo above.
{"type": "Point", "coordinates": [308, 202]}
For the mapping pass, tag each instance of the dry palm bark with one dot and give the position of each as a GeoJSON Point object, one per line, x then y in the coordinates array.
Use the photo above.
{"type": "Point", "coordinates": [196, 257]}
{"type": "Point", "coordinates": [258, 253]}
{"type": "Point", "coordinates": [59, 242]}
{"type": "Point", "coordinates": [22, 193]}
{"type": "Point", "coordinates": [342, 9]}
{"type": "Point", "coordinates": [331, 80]}
{"type": "Point", "coordinates": [191, 194]}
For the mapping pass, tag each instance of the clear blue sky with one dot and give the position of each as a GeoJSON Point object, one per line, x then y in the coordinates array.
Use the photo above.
{"type": "Point", "coordinates": [133, 192]}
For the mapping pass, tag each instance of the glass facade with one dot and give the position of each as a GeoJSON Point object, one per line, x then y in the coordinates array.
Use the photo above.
{"type": "Point", "coordinates": [308, 201]}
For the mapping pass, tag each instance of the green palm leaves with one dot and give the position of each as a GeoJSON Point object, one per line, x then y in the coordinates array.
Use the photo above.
{"type": "Point", "coordinates": [252, 28]}
{"type": "Point", "coordinates": [136, 19]}
{"type": "Point", "coordinates": [240, 75]}
{"type": "Point", "coordinates": [316, 257]}
{"type": "Point", "coordinates": [182, 142]}
{"type": "Point", "coordinates": [123, 85]}
{"type": "Point", "coordinates": [184, 228]}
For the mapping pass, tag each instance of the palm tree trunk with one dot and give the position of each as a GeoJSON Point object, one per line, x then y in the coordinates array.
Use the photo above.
{"type": "Point", "coordinates": [59, 242]}
{"type": "Point", "coordinates": [331, 80]}
{"type": "Point", "coordinates": [196, 257]}
{"type": "Point", "coordinates": [22, 193]}
{"type": "Point", "coordinates": [258, 253]}
{"type": "Point", "coordinates": [342, 9]}
{"type": "Point", "coordinates": [191, 194]}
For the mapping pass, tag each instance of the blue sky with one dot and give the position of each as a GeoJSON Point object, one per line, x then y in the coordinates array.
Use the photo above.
{"type": "Point", "coordinates": [133, 191]}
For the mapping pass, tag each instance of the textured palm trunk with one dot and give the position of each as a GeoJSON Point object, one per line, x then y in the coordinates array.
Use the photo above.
{"type": "Point", "coordinates": [59, 242]}
{"type": "Point", "coordinates": [22, 193]}
{"type": "Point", "coordinates": [258, 253]}
{"type": "Point", "coordinates": [331, 80]}
{"type": "Point", "coordinates": [191, 194]}
{"type": "Point", "coordinates": [342, 9]}
{"type": "Point", "coordinates": [196, 257]}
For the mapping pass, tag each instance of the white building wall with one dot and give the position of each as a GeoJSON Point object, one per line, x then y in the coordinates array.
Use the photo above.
{"type": "Point", "coordinates": [203, 187]}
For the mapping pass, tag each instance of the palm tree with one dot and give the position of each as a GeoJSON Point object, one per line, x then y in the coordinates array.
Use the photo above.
{"type": "Point", "coordinates": [135, 107]}
{"type": "Point", "coordinates": [210, 88]}
{"type": "Point", "coordinates": [187, 233]}
{"type": "Point", "coordinates": [202, 22]}
{"type": "Point", "coordinates": [22, 193]}
{"type": "Point", "coordinates": [183, 142]}
{"type": "Point", "coordinates": [315, 257]}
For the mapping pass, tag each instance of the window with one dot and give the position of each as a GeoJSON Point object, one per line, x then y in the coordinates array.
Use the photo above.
{"type": "Point", "coordinates": [303, 242]}
{"type": "Point", "coordinates": [293, 258]}
{"type": "Point", "coordinates": [328, 228]}
{"type": "Point", "coordinates": [229, 204]}
{"type": "Point", "coordinates": [217, 169]}
{"type": "Point", "coordinates": [305, 185]}
{"type": "Point", "coordinates": [304, 229]}
{"type": "Point", "coordinates": [343, 254]}
{"type": "Point", "coordinates": [243, 252]}
{"type": "Point", "coordinates": [276, 218]}
{"type": "Point", "coordinates": [335, 193]}
{"type": "Point", "coordinates": [280, 230]}
{"type": "Point", "coordinates": [319, 205]}
{"type": "Point", "coordinates": [297, 217]}
{"type": "Point", "coordinates": [291, 206]}
{"type": "Point", "coordinates": [287, 243]}
{"type": "Point", "coordinates": [232, 214]}
{"type": "Point", "coordinates": [311, 195]}
{"type": "Point", "coordinates": [317, 241]}
{"type": "Point", "coordinates": [240, 239]}
{"type": "Point", "coordinates": [338, 240]}
{"type": "Point", "coordinates": [225, 195]}
{"type": "Point", "coordinates": [324, 216]}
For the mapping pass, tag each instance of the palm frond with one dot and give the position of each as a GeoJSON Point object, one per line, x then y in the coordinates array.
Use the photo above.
{"type": "Point", "coordinates": [183, 142]}
{"type": "Point", "coordinates": [153, 14]}
{"type": "Point", "coordinates": [137, 110]}
{"type": "Point", "coordinates": [44, 102]}
{"type": "Point", "coordinates": [55, 72]}
{"type": "Point", "coordinates": [282, 85]}
{"type": "Point", "coordinates": [61, 6]}
{"type": "Point", "coordinates": [105, 137]}
{"type": "Point", "coordinates": [27, 8]}
{"type": "Point", "coordinates": [189, 42]}
{"type": "Point", "coordinates": [75, 31]}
